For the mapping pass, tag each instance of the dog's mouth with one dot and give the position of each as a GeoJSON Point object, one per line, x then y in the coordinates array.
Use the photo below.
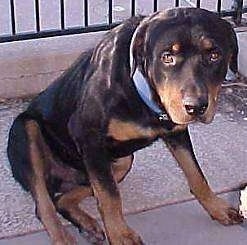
{"type": "Point", "coordinates": [192, 119]}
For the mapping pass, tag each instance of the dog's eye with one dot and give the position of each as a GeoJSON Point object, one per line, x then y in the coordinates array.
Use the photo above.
{"type": "Point", "coordinates": [214, 56]}
{"type": "Point", "coordinates": [167, 58]}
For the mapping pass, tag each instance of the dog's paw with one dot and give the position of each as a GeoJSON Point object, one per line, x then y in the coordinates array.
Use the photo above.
{"type": "Point", "coordinates": [221, 211]}
{"type": "Point", "coordinates": [126, 237]}
{"type": "Point", "coordinates": [94, 237]}
{"type": "Point", "coordinates": [93, 233]}
{"type": "Point", "coordinates": [65, 238]}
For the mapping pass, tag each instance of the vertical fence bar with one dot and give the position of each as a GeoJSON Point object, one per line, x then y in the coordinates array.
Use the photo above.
{"type": "Point", "coordinates": [62, 14]}
{"type": "Point", "coordinates": [155, 5]}
{"type": "Point", "coordinates": [219, 6]}
{"type": "Point", "coordinates": [12, 12]}
{"type": "Point", "coordinates": [198, 3]}
{"type": "Point", "coordinates": [133, 7]}
{"type": "Point", "coordinates": [176, 3]}
{"type": "Point", "coordinates": [86, 13]}
{"type": "Point", "coordinates": [37, 16]}
{"type": "Point", "coordinates": [110, 12]}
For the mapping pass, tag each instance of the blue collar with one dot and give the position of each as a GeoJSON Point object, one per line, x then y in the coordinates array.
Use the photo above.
{"type": "Point", "coordinates": [144, 91]}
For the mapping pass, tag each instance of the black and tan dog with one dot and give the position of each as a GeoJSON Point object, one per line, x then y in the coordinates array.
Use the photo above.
{"type": "Point", "coordinates": [147, 79]}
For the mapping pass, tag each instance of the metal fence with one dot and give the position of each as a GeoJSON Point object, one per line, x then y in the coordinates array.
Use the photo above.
{"type": "Point", "coordinates": [236, 9]}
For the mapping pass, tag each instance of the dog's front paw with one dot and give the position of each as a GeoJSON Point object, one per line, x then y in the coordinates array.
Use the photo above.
{"type": "Point", "coordinates": [93, 233]}
{"type": "Point", "coordinates": [64, 238]}
{"type": "Point", "coordinates": [221, 211]}
{"type": "Point", "coordinates": [126, 237]}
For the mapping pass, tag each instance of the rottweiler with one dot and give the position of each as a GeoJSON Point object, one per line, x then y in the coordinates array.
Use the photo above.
{"type": "Point", "coordinates": [147, 79]}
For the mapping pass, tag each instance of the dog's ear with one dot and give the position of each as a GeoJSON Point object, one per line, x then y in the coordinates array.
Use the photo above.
{"type": "Point", "coordinates": [138, 45]}
{"type": "Point", "coordinates": [137, 48]}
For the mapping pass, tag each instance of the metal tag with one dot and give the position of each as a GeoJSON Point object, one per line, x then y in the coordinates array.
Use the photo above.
{"type": "Point", "coordinates": [163, 117]}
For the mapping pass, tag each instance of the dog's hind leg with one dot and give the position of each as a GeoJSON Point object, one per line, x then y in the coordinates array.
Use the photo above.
{"type": "Point", "coordinates": [68, 204]}
{"type": "Point", "coordinates": [46, 211]}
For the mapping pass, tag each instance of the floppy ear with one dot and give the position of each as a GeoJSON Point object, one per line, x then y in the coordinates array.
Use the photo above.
{"type": "Point", "coordinates": [139, 40]}
{"type": "Point", "coordinates": [137, 49]}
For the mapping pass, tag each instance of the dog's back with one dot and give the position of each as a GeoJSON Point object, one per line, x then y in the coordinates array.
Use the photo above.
{"type": "Point", "coordinates": [52, 108]}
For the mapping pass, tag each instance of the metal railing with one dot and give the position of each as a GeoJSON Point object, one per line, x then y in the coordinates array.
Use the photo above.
{"type": "Point", "coordinates": [235, 11]}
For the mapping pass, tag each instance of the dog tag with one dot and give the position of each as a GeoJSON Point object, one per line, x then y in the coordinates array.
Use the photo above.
{"type": "Point", "coordinates": [163, 117]}
{"type": "Point", "coordinates": [243, 202]}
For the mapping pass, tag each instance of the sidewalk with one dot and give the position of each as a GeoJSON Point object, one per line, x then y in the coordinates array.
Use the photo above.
{"type": "Point", "coordinates": [154, 183]}
{"type": "Point", "coordinates": [184, 223]}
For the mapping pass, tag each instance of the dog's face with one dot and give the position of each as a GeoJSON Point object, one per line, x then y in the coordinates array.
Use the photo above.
{"type": "Point", "coordinates": [184, 54]}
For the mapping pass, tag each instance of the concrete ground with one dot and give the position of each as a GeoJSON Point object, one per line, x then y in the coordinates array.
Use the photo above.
{"type": "Point", "coordinates": [178, 224]}
{"type": "Point", "coordinates": [154, 185]}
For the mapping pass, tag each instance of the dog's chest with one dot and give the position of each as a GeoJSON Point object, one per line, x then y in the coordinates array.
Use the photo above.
{"type": "Point", "coordinates": [124, 138]}
{"type": "Point", "coordinates": [125, 131]}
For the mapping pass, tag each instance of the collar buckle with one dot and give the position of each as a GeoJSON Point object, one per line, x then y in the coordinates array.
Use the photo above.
{"type": "Point", "coordinates": [163, 117]}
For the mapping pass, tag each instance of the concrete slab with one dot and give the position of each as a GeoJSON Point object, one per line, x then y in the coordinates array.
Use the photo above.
{"type": "Point", "coordinates": [28, 67]}
{"type": "Point", "coordinates": [155, 179]}
{"type": "Point", "coordinates": [186, 224]}
{"type": "Point", "coordinates": [179, 224]}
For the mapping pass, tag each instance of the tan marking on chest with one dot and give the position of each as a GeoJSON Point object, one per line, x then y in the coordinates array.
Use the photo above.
{"type": "Point", "coordinates": [179, 128]}
{"type": "Point", "coordinates": [122, 131]}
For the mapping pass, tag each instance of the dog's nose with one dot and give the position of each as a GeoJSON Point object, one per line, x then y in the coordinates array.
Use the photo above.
{"type": "Point", "coordinates": [195, 108]}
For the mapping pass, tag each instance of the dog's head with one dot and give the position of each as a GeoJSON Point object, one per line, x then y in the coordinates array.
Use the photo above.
{"type": "Point", "coordinates": [184, 54]}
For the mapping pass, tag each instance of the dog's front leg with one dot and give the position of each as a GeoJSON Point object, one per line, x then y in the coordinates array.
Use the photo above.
{"type": "Point", "coordinates": [109, 201]}
{"type": "Point", "coordinates": [86, 129]}
{"type": "Point", "coordinates": [181, 147]}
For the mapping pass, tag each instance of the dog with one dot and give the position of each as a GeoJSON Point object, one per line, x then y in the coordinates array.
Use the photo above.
{"type": "Point", "coordinates": [147, 79]}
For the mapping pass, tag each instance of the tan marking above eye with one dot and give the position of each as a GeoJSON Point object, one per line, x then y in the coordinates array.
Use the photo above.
{"type": "Point", "coordinates": [207, 43]}
{"type": "Point", "coordinates": [176, 47]}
